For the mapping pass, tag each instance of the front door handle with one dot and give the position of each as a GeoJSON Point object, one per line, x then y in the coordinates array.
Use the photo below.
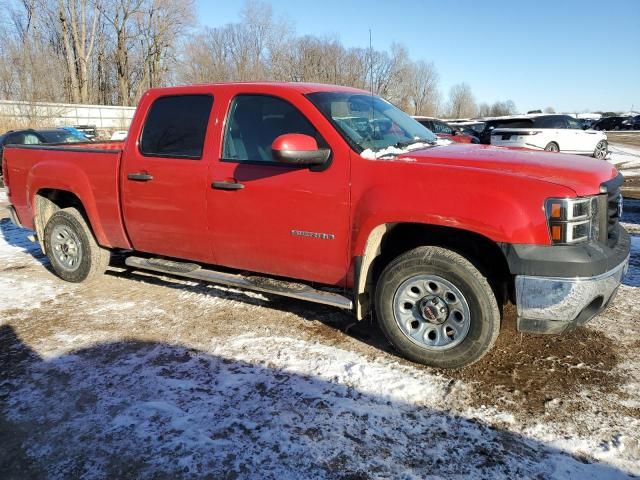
{"type": "Point", "coordinates": [140, 177]}
{"type": "Point", "coordinates": [227, 186]}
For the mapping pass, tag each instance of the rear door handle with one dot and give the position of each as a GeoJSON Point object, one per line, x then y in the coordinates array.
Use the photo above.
{"type": "Point", "coordinates": [227, 186]}
{"type": "Point", "coordinates": [140, 177]}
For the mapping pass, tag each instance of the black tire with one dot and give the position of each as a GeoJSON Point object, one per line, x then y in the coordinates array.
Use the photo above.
{"type": "Point", "coordinates": [484, 313]}
{"type": "Point", "coordinates": [93, 260]}
{"type": "Point", "coordinates": [552, 147]}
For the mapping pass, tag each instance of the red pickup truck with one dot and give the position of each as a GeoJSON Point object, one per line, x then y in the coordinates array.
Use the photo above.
{"type": "Point", "coordinates": [332, 195]}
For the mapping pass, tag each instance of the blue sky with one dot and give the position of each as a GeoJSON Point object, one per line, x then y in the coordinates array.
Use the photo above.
{"type": "Point", "coordinates": [569, 54]}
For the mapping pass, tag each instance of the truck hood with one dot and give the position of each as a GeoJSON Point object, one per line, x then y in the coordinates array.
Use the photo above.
{"type": "Point", "coordinates": [582, 174]}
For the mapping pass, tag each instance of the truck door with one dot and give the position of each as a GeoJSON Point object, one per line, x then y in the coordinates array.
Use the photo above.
{"type": "Point", "coordinates": [271, 217]}
{"type": "Point", "coordinates": [164, 178]}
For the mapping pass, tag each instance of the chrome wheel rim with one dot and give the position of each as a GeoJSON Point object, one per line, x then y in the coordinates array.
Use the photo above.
{"type": "Point", "coordinates": [66, 247]}
{"type": "Point", "coordinates": [432, 312]}
{"type": "Point", "coordinates": [601, 150]}
{"type": "Point", "coordinates": [552, 148]}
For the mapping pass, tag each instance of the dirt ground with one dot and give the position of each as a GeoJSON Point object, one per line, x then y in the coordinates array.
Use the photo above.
{"type": "Point", "coordinates": [631, 187]}
{"type": "Point", "coordinates": [629, 138]}
{"type": "Point", "coordinates": [142, 376]}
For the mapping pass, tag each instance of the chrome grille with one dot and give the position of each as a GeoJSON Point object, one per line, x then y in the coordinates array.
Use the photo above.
{"type": "Point", "coordinates": [613, 201]}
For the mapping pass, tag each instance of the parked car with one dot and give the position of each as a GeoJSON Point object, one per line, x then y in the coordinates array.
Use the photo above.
{"type": "Point", "coordinates": [89, 130]}
{"type": "Point", "coordinates": [632, 123]}
{"type": "Point", "coordinates": [474, 128]}
{"type": "Point", "coordinates": [77, 133]}
{"type": "Point", "coordinates": [444, 130]}
{"type": "Point", "coordinates": [552, 133]}
{"type": "Point", "coordinates": [586, 123]}
{"type": "Point", "coordinates": [610, 123]}
{"type": "Point", "coordinates": [34, 137]}
{"type": "Point", "coordinates": [490, 124]}
{"type": "Point", "coordinates": [281, 180]}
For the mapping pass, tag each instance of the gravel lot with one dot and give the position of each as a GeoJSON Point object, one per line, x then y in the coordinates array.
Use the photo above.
{"type": "Point", "coordinates": [137, 376]}
{"type": "Point", "coordinates": [629, 141]}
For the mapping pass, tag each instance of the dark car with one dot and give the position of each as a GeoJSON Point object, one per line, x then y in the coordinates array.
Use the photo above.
{"type": "Point", "coordinates": [587, 123]}
{"type": "Point", "coordinates": [444, 130]}
{"type": "Point", "coordinates": [471, 127]}
{"type": "Point", "coordinates": [632, 123]}
{"type": "Point", "coordinates": [490, 125]}
{"type": "Point", "coordinates": [610, 123]}
{"type": "Point", "coordinates": [35, 137]}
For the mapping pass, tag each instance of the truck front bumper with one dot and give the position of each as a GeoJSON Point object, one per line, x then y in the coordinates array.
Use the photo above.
{"type": "Point", "coordinates": [560, 287]}
{"type": "Point", "coordinates": [554, 305]}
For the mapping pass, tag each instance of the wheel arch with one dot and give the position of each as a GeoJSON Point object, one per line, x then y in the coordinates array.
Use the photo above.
{"type": "Point", "coordinates": [48, 201]}
{"type": "Point", "coordinates": [386, 241]}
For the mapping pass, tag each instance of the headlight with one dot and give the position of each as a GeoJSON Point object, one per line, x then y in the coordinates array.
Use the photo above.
{"type": "Point", "coordinates": [572, 220]}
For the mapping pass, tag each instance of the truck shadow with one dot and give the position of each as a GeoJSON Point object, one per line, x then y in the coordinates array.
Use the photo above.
{"type": "Point", "coordinates": [134, 409]}
{"type": "Point", "coordinates": [17, 238]}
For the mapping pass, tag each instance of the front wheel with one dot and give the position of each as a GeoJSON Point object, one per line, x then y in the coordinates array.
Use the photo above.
{"type": "Point", "coordinates": [552, 147]}
{"type": "Point", "coordinates": [73, 251]}
{"type": "Point", "coordinates": [436, 308]}
{"type": "Point", "coordinates": [601, 150]}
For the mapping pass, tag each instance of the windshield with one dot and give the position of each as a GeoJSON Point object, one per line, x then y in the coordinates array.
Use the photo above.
{"type": "Point", "coordinates": [370, 123]}
{"type": "Point", "coordinates": [62, 136]}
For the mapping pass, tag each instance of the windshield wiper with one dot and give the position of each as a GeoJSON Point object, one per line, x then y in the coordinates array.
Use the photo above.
{"type": "Point", "coordinates": [415, 140]}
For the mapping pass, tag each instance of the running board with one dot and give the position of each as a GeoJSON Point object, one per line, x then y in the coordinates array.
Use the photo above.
{"type": "Point", "coordinates": [256, 283]}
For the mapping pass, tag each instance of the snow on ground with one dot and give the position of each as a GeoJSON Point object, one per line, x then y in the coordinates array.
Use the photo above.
{"type": "Point", "coordinates": [138, 376]}
{"type": "Point", "coordinates": [626, 159]}
{"type": "Point", "coordinates": [3, 195]}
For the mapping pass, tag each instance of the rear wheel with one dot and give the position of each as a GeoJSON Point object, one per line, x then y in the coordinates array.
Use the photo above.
{"type": "Point", "coordinates": [72, 249]}
{"type": "Point", "coordinates": [436, 308]}
{"type": "Point", "coordinates": [601, 150]}
{"type": "Point", "coordinates": [552, 147]}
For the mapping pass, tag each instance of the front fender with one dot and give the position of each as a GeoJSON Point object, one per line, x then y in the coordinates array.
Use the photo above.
{"type": "Point", "coordinates": [503, 208]}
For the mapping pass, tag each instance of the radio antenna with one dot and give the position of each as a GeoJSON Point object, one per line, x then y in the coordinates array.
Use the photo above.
{"type": "Point", "coordinates": [371, 73]}
{"type": "Point", "coordinates": [371, 61]}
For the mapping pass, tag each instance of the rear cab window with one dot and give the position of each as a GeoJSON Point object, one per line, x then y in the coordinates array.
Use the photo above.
{"type": "Point", "coordinates": [176, 127]}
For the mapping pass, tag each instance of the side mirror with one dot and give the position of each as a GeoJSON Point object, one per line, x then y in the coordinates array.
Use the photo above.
{"type": "Point", "coordinates": [298, 149]}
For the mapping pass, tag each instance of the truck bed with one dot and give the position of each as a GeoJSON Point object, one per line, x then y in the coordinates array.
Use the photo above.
{"type": "Point", "coordinates": [91, 171]}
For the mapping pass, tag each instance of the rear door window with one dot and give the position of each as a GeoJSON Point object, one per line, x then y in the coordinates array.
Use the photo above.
{"type": "Point", "coordinates": [176, 127]}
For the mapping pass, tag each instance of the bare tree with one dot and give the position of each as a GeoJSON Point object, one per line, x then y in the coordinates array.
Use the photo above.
{"type": "Point", "coordinates": [462, 103]}
{"type": "Point", "coordinates": [422, 88]}
{"type": "Point", "coordinates": [501, 109]}
{"type": "Point", "coordinates": [119, 14]}
{"type": "Point", "coordinates": [30, 66]}
{"type": "Point", "coordinates": [161, 24]}
{"type": "Point", "coordinates": [109, 51]}
{"type": "Point", "coordinates": [484, 109]}
{"type": "Point", "coordinates": [78, 20]}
